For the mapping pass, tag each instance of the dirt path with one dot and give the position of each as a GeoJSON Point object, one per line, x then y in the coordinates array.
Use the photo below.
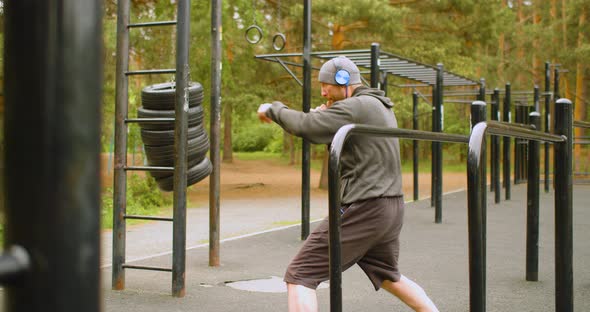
{"type": "Point", "coordinates": [249, 179]}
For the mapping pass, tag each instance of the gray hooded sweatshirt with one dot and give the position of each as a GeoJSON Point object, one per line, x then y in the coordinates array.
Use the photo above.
{"type": "Point", "coordinates": [370, 165]}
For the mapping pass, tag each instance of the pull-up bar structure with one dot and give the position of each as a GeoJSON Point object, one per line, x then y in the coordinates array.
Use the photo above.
{"type": "Point", "coordinates": [378, 65]}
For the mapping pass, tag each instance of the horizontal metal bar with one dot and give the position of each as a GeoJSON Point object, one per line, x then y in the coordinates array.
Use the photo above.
{"type": "Point", "coordinates": [459, 101]}
{"type": "Point", "coordinates": [520, 131]}
{"type": "Point", "coordinates": [134, 217]}
{"type": "Point", "coordinates": [149, 120]}
{"type": "Point", "coordinates": [152, 24]}
{"type": "Point", "coordinates": [149, 168]}
{"type": "Point", "coordinates": [353, 129]}
{"type": "Point", "coordinates": [581, 124]}
{"type": "Point", "coordinates": [411, 85]}
{"type": "Point", "coordinates": [141, 267]}
{"type": "Point", "coordinates": [150, 72]}
{"type": "Point", "coordinates": [274, 59]}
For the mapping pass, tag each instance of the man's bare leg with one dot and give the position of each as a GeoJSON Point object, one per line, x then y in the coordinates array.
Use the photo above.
{"type": "Point", "coordinates": [411, 294]}
{"type": "Point", "coordinates": [301, 298]}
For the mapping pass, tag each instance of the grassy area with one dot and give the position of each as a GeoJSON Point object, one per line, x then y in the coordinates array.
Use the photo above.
{"type": "Point", "coordinates": [143, 198]}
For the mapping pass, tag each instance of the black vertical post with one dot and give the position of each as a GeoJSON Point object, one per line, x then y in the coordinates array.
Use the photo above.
{"type": "Point", "coordinates": [120, 161]}
{"type": "Point", "coordinates": [556, 83]}
{"type": "Point", "coordinates": [384, 83]}
{"type": "Point", "coordinates": [438, 145]}
{"type": "Point", "coordinates": [415, 144]}
{"type": "Point", "coordinates": [478, 114]}
{"type": "Point", "coordinates": [433, 147]}
{"type": "Point", "coordinates": [495, 144]}
{"type": "Point", "coordinates": [180, 147]}
{"type": "Point", "coordinates": [493, 148]}
{"type": "Point", "coordinates": [482, 90]}
{"type": "Point", "coordinates": [536, 99]}
{"type": "Point", "coordinates": [305, 153]}
{"type": "Point", "coordinates": [53, 54]}
{"type": "Point", "coordinates": [519, 150]}
{"type": "Point", "coordinates": [532, 226]}
{"type": "Point", "coordinates": [215, 129]}
{"type": "Point", "coordinates": [563, 208]}
{"type": "Point", "coordinates": [335, 221]}
{"type": "Point", "coordinates": [481, 96]}
{"type": "Point", "coordinates": [506, 151]}
{"type": "Point", "coordinates": [475, 223]}
{"type": "Point", "coordinates": [375, 65]}
{"type": "Point", "coordinates": [547, 122]}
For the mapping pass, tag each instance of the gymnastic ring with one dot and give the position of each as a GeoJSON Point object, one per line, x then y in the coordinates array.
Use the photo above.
{"type": "Point", "coordinates": [279, 44]}
{"type": "Point", "coordinates": [258, 31]}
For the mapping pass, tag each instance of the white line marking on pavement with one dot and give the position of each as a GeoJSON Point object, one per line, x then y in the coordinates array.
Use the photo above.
{"type": "Point", "coordinates": [207, 244]}
{"type": "Point", "coordinates": [240, 237]}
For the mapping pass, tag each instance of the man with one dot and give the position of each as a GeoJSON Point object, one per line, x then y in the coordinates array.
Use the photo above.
{"type": "Point", "coordinates": [371, 189]}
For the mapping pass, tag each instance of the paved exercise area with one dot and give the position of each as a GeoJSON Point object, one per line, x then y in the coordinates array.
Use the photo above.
{"type": "Point", "coordinates": [434, 255]}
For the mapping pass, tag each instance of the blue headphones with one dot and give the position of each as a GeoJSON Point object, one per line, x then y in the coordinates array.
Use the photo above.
{"type": "Point", "coordinates": [342, 76]}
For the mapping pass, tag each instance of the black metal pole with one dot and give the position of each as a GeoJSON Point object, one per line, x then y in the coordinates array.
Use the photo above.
{"type": "Point", "coordinates": [506, 140]}
{"type": "Point", "coordinates": [433, 148]}
{"type": "Point", "coordinates": [556, 83]}
{"type": "Point", "coordinates": [564, 279]}
{"type": "Point", "coordinates": [415, 144]}
{"type": "Point", "coordinates": [536, 99]}
{"type": "Point", "coordinates": [335, 247]}
{"type": "Point", "coordinates": [482, 90]}
{"type": "Point", "coordinates": [180, 137]}
{"type": "Point", "coordinates": [475, 224]}
{"type": "Point", "coordinates": [215, 140]}
{"type": "Point", "coordinates": [547, 122]}
{"type": "Point", "coordinates": [519, 119]}
{"type": "Point", "coordinates": [53, 56]}
{"type": "Point", "coordinates": [375, 65]}
{"type": "Point", "coordinates": [305, 153]}
{"type": "Point", "coordinates": [496, 149]}
{"type": "Point", "coordinates": [478, 114]}
{"type": "Point", "coordinates": [120, 149]}
{"type": "Point", "coordinates": [440, 117]}
{"type": "Point", "coordinates": [532, 236]}
{"type": "Point", "coordinates": [384, 83]}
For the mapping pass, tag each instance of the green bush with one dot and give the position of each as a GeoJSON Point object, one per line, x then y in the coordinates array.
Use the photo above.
{"type": "Point", "coordinates": [143, 198]}
{"type": "Point", "coordinates": [253, 138]}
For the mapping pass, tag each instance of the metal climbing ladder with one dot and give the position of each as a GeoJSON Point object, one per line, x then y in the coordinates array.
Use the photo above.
{"type": "Point", "coordinates": [180, 138]}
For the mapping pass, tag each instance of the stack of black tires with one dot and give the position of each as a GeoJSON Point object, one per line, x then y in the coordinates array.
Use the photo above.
{"type": "Point", "coordinates": [158, 138]}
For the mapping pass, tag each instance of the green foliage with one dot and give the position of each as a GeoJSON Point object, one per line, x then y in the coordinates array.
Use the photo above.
{"type": "Point", "coordinates": [143, 198]}
{"type": "Point", "coordinates": [254, 138]}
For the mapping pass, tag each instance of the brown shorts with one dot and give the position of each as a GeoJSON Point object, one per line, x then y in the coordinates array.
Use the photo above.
{"type": "Point", "coordinates": [369, 236]}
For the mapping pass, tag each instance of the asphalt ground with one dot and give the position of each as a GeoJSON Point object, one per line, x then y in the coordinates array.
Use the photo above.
{"type": "Point", "coordinates": [258, 244]}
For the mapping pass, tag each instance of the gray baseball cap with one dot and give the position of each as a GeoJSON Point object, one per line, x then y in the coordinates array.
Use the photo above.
{"type": "Point", "coordinates": [328, 71]}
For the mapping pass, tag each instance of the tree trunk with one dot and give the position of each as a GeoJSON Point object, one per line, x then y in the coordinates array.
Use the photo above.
{"type": "Point", "coordinates": [501, 49]}
{"type": "Point", "coordinates": [553, 13]}
{"type": "Point", "coordinates": [564, 22]}
{"type": "Point", "coordinates": [537, 78]}
{"type": "Point", "coordinates": [520, 43]}
{"type": "Point", "coordinates": [228, 156]}
{"type": "Point", "coordinates": [580, 105]}
{"type": "Point", "coordinates": [324, 176]}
